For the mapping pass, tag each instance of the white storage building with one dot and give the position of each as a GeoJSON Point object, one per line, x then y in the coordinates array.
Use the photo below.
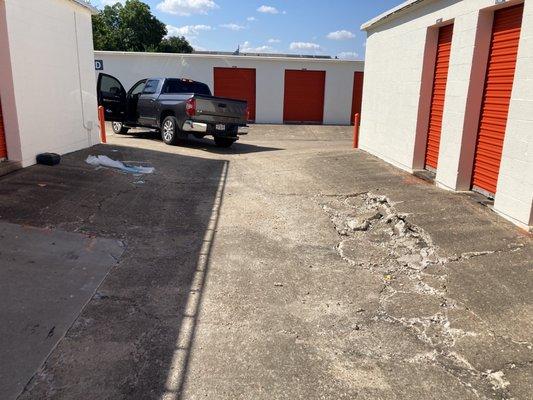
{"type": "Point", "coordinates": [278, 89]}
{"type": "Point", "coordinates": [47, 85]}
{"type": "Point", "coordinates": [449, 88]}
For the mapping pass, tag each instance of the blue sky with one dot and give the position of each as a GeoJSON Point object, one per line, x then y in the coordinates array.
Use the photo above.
{"type": "Point", "coordinates": [280, 26]}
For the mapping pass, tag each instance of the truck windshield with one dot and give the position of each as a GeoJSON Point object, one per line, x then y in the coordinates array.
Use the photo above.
{"type": "Point", "coordinates": [174, 86]}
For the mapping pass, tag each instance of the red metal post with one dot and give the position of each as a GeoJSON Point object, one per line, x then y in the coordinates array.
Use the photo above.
{"type": "Point", "coordinates": [356, 131]}
{"type": "Point", "coordinates": [101, 118]}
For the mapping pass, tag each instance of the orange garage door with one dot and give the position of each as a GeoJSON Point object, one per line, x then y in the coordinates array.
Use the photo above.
{"type": "Point", "coordinates": [304, 96]}
{"type": "Point", "coordinates": [3, 148]}
{"type": "Point", "coordinates": [357, 95]}
{"type": "Point", "coordinates": [440, 79]}
{"type": "Point", "coordinates": [497, 97]}
{"type": "Point", "coordinates": [237, 83]}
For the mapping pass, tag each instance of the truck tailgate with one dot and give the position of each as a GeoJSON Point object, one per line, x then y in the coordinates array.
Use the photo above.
{"type": "Point", "coordinates": [220, 110]}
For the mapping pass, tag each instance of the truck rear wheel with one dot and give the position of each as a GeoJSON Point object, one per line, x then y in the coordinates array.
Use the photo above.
{"type": "Point", "coordinates": [169, 130]}
{"type": "Point", "coordinates": [119, 128]}
{"type": "Point", "coordinates": [223, 142]}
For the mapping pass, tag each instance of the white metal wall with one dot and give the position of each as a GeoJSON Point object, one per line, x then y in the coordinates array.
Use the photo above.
{"type": "Point", "coordinates": [270, 72]}
{"type": "Point", "coordinates": [394, 99]}
{"type": "Point", "coordinates": [47, 80]}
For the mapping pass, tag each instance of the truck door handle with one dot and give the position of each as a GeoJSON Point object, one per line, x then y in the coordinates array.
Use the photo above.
{"type": "Point", "coordinates": [152, 100]}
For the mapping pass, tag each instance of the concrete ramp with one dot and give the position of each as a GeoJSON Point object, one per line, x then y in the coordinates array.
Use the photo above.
{"type": "Point", "coordinates": [46, 278]}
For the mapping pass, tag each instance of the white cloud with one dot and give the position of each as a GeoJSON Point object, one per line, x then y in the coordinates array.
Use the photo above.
{"type": "Point", "coordinates": [187, 30]}
{"type": "Point", "coordinates": [104, 3]}
{"type": "Point", "coordinates": [304, 46]}
{"type": "Point", "coordinates": [251, 19]}
{"type": "Point", "coordinates": [186, 7]}
{"type": "Point", "coordinates": [198, 48]}
{"type": "Point", "coordinates": [247, 47]}
{"type": "Point", "coordinates": [341, 35]}
{"type": "Point", "coordinates": [268, 10]}
{"type": "Point", "coordinates": [233, 27]}
{"type": "Point", "coordinates": [273, 40]}
{"type": "Point", "coordinates": [348, 55]}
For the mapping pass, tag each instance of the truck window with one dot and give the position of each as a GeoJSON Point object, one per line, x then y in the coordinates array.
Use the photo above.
{"type": "Point", "coordinates": [151, 87]}
{"type": "Point", "coordinates": [138, 88]}
{"type": "Point", "coordinates": [110, 85]}
{"type": "Point", "coordinates": [174, 86]}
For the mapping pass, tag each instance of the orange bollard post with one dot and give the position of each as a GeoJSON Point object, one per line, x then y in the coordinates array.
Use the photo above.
{"type": "Point", "coordinates": [356, 131]}
{"type": "Point", "coordinates": [101, 118]}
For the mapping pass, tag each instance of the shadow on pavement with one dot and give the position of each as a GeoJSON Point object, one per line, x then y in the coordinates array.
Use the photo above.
{"type": "Point", "coordinates": [133, 339]}
{"type": "Point", "coordinates": [46, 277]}
{"type": "Point", "coordinates": [205, 144]}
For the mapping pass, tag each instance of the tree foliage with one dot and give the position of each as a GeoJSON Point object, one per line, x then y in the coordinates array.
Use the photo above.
{"type": "Point", "coordinates": [132, 27]}
{"type": "Point", "coordinates": [175, 44]}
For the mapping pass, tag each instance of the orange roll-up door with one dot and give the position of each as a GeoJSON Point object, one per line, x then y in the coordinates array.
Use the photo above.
{"type": "Point", "coordinates": [497, 97]}
{"type": "Point", "coordinates": [357, 95]}
{"type": "Point", "coordinates": [3, 148]}
{"type": "Point", "coordinates": [304, 96]}
{"type": "Point", "coordinates": [236, 83]}
{"type": "Point", "coordinates": [438, 96]}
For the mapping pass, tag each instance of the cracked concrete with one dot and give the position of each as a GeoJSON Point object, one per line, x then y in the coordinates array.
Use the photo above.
{"type": "Point", "coordinates": [387, 243]}
{"type": "Point", "coordinates": [306, 270]}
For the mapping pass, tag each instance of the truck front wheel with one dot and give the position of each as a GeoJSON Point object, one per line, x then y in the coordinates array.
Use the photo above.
{"type": "Point", "coordinates": [223, 142]}
{"type": "Point", "coordinates": [119, 128]}
{"type": "Point", "coordinates": [169, 130]}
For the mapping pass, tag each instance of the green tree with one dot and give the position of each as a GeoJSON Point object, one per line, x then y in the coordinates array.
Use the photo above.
{"type": "Point", "coordinates": [132, 27]}
{"type": "Point", "coordinates": [106, 28]}
{"type": "Point", "coordinates": [175, 44]}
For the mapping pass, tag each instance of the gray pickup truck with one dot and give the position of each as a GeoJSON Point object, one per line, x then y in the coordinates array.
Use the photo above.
{"type": "Point", "coordinates": [175, 107]}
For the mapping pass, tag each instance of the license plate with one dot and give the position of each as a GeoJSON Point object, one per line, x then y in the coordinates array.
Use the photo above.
{"type": "Point", "coordinates": [220, 127]}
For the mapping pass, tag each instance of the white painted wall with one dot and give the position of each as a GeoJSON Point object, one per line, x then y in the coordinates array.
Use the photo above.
{"type": "Point", "coordinates": [47, 83]}
{"type": "Point", "coordinates": [394, 97]}
{"type": "Point", "coordinates": [270, 71]}
{"type": "Point", "coordinates": [515, 184]}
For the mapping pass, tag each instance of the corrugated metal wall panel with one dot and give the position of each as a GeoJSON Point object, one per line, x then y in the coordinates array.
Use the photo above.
{"type": "Point", "coordinates": [497, 97]}
{"type": "Point", "coordinates": [438, 96]}
{"type": "Point", "coordinates": [304, 96]}
{"type": "Point", "coordinates": [236, 83]}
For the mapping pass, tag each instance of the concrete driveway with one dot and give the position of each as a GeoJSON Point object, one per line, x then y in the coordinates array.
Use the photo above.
{"type": "Point", "coordinates": [287, 267]}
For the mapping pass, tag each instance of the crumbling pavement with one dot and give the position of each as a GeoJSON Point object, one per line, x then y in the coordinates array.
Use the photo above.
{"type": "Point", "coordinates": [375, 237]}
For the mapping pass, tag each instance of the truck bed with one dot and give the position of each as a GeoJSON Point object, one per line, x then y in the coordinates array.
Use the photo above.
{"type": "Point", "coordinates": [211, 109]}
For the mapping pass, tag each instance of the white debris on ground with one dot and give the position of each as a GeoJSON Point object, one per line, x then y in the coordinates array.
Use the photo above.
{"type": "Point", "coordinates": [374, 236]}
{"type": "Point", "coordinates": [497, 379]}
{"type": "Point", "coordinates": [105, 161]}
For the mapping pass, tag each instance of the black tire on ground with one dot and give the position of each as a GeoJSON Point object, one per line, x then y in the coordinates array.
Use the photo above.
{"type": "Point", "coordinates": [224, 142]}
{"type": "Point", "coordinates": [169, 130]}
{"type": "Point", "coordinates": [119, 128]}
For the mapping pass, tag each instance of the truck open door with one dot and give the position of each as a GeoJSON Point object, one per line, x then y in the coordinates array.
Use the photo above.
{"type": "Point", "coordinates": [112, 96]}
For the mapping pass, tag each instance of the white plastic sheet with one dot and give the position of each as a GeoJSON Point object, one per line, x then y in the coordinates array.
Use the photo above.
{"type": "Point", "coordinates": [105, 161]}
